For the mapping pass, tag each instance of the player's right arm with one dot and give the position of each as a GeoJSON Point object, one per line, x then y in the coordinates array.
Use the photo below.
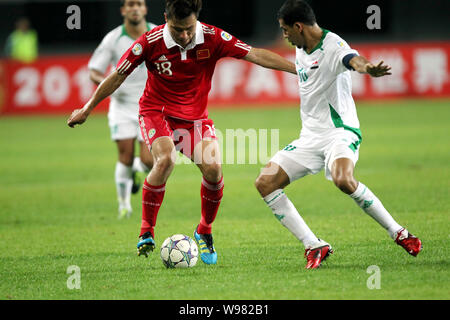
{"type": "Point", "coordinates": [269, 59]}
{"type": "Point", "coordinates": [104, 90]}
{"type": "Point", "coordinates": [229, 46]}
{"type": "Point", "coordinates": [132, 58]}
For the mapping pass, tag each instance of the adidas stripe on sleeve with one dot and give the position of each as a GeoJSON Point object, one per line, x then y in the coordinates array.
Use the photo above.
{"type": "Point", "coordinates": [230, 46]}
{"type": "Point", "coordinates": [134, 56]}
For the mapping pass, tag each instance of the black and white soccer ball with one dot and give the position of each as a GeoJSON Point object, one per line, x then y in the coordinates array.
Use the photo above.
{"type": "Point", "coordinates": [179, 251]}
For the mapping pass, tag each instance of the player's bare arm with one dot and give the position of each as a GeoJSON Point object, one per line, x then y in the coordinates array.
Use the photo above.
{"type": "Point", "coordinates": [269, 59]}
{"type": "Point", "coordinates": [104, 90]}
{"type": "Point", "coordinates": [362, 65]}
{"type": "Point", "coordinates": [96, 76]}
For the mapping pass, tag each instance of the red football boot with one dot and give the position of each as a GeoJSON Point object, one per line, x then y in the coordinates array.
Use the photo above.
{"type": "Point", "coordinates": [314, 256]}
{"type": "Point", "coordinates": [410, 243]}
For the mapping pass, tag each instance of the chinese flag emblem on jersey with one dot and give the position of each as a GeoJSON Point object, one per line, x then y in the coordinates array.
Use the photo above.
{"type": "Point", "coordinates": [203, 54]}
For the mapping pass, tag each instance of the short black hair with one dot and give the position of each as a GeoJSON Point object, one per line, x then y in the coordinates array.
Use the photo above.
{"type": "Point", "coordinates": [181, 9]}
{"type": "Point", "coordinates": [122, 2]}
{"type": "Point", "coordinates": [293, 11]}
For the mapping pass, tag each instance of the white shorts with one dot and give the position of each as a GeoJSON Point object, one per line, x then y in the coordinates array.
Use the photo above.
{"type": "Point", "coordinates": [124, 121]}
{"type": "Point", "coordinates": [126, 130]}
{"type": "Point", "coordinates": [312, 152]}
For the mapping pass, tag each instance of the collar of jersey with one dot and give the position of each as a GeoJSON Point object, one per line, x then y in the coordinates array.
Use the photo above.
{"type": "Point", "coordinates": [320, 44]}
{"type": "Point", "coordinates": [198, 39]}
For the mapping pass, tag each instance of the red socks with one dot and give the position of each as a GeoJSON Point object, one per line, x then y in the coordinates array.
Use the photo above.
{"type": "Point", "coordinates": [152, 197]}
{"type": "Point", "coordinates": [211, 194]}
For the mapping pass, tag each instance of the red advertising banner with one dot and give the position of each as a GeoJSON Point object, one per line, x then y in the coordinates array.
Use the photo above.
{"type": "Point", "coordinates": [59, 84]}
{"type": "Point", "coordinates": [418, 70]}
{"type": "Point", "coordinates": [52, 84]}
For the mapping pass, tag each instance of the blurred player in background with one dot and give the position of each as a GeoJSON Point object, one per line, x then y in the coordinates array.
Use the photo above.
{"type": "Point", "coordinates": [330, 136]}
{"type": "Point", "coordinates": [181, 56]}
{"type": "Point", "coordinates": [124, 106]}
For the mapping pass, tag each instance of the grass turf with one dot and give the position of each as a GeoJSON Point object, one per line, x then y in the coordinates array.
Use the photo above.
{"type": "Point", "coordinates": [58, 208]}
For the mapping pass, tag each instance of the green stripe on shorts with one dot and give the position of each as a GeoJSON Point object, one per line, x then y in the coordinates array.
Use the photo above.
{"type": "Point", "coordinates": [338, 123]}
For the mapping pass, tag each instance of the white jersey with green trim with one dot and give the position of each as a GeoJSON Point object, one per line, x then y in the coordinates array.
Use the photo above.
{"type": "Point", "coordinates": [109, 52]}
{"type": "Point", "coordinates": [325, 86]}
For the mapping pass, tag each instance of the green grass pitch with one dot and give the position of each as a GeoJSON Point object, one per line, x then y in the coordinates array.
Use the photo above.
{"type": "Point", "coordinates": [58, 209]}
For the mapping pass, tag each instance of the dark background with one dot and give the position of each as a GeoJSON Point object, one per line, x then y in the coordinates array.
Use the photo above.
{"type": "Point", "coordinates": [254, 21]}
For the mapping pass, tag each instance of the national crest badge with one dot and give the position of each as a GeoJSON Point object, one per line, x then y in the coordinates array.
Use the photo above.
{"type": "Point", "coordinates": [226, 36]}
{"type": "Point", "coordinates": [137, 49]}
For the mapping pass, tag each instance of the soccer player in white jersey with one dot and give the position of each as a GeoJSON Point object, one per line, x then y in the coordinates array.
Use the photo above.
{"type": "Point", "coordinates": [124, 105]}
{"type": "Point", "coordinates": [330, 136]}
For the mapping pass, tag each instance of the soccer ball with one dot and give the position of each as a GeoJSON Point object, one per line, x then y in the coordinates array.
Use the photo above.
{"type": "Point", "coordinates": [179, 251]}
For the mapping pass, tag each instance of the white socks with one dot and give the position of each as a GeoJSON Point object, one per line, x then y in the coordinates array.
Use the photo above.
{"type": "Point", "coordinates": [285, 212]}
{"type": "Point", "coordinates": [371, 205]}
{"type": "Point", "coordinates": [124, 182]}
{"type": "Point", "coordinates": [139, 166]}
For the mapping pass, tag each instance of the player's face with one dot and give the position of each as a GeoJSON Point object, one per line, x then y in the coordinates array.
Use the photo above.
{"type": "Point", "coordinates": [293, 33]}
{"type": "Point", "coordinates": [182, 31]}
{"type": "Point", "coordinates": [134, 11]}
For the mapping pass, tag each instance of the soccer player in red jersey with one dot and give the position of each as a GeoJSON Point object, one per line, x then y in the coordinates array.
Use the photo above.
{"type": "Point", "coordinates": [180, 56]}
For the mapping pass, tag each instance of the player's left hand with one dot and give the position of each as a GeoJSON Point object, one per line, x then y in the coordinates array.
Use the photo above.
{"type": "Point", "coordinates": [378, 70]}
{"type": "Point", "coordinates": [78, 116]}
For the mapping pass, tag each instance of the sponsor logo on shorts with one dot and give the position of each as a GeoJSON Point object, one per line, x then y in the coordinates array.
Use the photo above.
{"type": "Point", "coordinates": [137, 49]}
{"type": "Point", "coordinates": [151, 133]}
{"type": "Point", "coordinates": [226, 36]}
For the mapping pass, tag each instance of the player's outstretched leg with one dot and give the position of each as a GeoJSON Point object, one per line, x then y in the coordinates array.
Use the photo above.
{"type": "Point", "coordinates": [342, 174]}
{"type": "Point", "coordinates": [371, 205]}
{"type": "Point", "coordinates": [205, 243]}
{"type": "Point", "coordinates": [316, 250]}
{"type": "Point", "coordinates": [269, 184]}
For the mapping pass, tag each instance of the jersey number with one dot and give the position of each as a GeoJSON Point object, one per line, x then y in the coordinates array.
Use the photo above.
{"type": "Point", "coordinates": [164, 67]}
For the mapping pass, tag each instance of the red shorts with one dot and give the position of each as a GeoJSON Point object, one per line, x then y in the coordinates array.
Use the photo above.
{"type": "Point", "coordinates": [185, 134]}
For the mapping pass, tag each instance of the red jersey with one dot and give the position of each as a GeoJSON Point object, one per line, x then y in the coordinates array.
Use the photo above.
{"type": "Point", "coordinates": [179, 80]}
